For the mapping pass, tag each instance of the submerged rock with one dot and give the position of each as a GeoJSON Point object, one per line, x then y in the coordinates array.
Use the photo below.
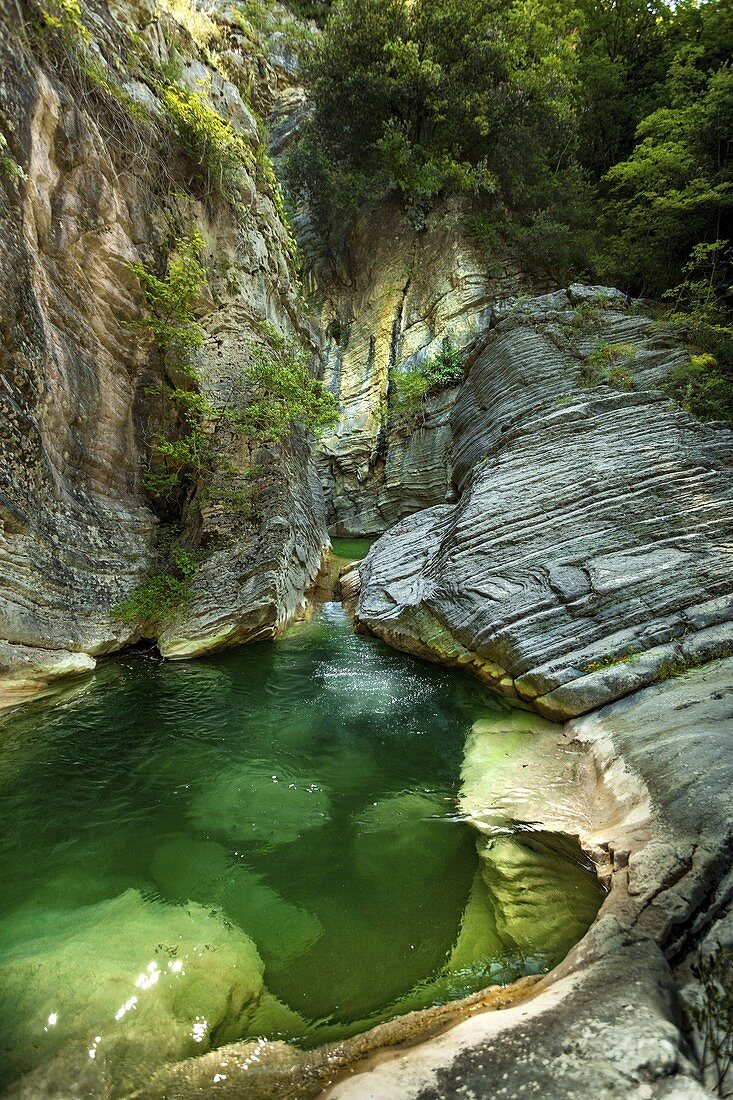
{"type": "Point", "coordinates": [107, 993]}
{"type": "Point", "coordinates": [203, 871]}
{"type": "Point", "coordinates": [607, 1021]}
{"type": "Point", "coordinates": [541, 896]}
{"type": "Point", "coordinates": [250, 805]}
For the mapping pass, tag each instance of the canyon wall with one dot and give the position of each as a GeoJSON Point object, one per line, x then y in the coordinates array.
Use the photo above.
{"type": "Point", "coordinates": [386, 308]}
{"type": "Point", "coordinates": [96, 179]}
{"type": "Point", "coordinates": [588, 553]}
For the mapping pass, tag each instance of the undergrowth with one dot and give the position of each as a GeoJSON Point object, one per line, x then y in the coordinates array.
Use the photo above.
{"type": "Point", "coordinates": [169, 321]}
{"type": "Point", "coordinates": [700, 316]}
{"type": "Point", "coordinates": [609, 363]}
{"type": "Point", "coordinates": [216, 150]}
{"type": "Point", "coordinates": [408, 389]}
{"type": "Point", "coordinates": [9, 167]}
{"type": "Point", "coordinates": [282, 391]}
{"type": "Point", "coordinates": [711, 1017]}
{"type": "Point", "coordinates": [151, 605]}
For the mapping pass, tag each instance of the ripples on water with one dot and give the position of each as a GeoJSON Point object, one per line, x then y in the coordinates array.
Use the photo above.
{"type": "Point", "coordinates": [260, 843]}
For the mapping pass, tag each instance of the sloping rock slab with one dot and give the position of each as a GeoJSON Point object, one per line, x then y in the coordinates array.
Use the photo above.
{"type": "Point", "coordinates": [590, 552]}
{"type": "Point", "coordinates": [606, 1022]}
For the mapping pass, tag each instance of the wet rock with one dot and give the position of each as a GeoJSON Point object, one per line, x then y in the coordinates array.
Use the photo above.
{"type": "Point", "coordinates": [606, 1022]}
{"type": "Point", "coordinates": [25, 672]}
{"type": "Point", "coordinates": [146, 983]}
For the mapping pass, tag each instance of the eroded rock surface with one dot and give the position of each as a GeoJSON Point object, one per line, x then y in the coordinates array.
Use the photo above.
{"type": "Point", "coordinates": [397, 296]}
{"type": "Point", "coordinates": [589, 551]}
{"type": "Point", "coordinates": [607, 1021]}
{"type": "Point", "coordinates": [108, 186]}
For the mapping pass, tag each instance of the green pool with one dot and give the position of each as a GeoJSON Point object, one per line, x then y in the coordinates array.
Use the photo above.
{"type": "Point", "coordinates": [263, 843]}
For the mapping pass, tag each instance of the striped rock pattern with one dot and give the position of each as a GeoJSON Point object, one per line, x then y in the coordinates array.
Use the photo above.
{"type": "Point", "coordinates": [403, 294]}
{"type": "Point", "coordinates": [77, 528]}
{"type": "Point", "coordinates": [591, 549]}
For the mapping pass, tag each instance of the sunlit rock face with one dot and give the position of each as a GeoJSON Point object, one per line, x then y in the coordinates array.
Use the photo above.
{"type": "Point", "coordinates": [398, 295]}
{"type": "Point", "coordinates": [77, 418]}
{"type": "Point", "coordinates": [75, 529]}
{"type": "Point", "coordinates": [589, 551]}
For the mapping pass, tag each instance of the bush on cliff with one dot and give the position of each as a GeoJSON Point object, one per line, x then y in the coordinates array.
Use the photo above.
{"type": "Point", "coordinates": [590, 140]}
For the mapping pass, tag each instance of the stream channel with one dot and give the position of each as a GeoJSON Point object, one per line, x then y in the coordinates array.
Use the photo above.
{"type": "Point", "coordinates": [264, 843]}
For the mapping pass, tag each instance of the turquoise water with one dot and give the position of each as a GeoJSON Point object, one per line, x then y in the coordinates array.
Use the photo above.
{"type": "Point", "coordinates": [262, 843]}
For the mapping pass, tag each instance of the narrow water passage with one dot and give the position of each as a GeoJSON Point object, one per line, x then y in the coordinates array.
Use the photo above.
{"type": "Point", "coordinates": [263, 843]}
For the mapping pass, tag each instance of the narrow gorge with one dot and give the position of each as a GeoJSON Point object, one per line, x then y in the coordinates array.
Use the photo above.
{"type": "Point", "coordinates": [366, 604]}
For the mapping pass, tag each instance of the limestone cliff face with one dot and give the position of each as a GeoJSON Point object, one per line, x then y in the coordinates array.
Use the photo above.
{"type": "Point", "coordinates": [106, 186]}
{"type": "Point", "coordinates": [589, 551]}
{"type": "Point", "coordinates": [397, 295]}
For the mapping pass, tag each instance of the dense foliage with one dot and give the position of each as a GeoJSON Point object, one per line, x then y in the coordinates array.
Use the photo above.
{"type": "Point", "coordinates": [168, 319]}
{"type": "Point", "coordinates": [282, 391]}
{"type": "Point", "coordinates": [592, 138]}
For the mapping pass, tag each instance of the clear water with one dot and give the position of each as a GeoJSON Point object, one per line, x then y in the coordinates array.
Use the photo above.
{"type": "Point", "coordinates": [263, 843]}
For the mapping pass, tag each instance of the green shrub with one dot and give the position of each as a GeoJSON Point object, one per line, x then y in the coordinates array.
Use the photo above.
{"type": "Point", "coordinates": [170, 322]}
{"type": "Point", "coordinates": [267, 169]}
{"type": "Point", "coordinates": [60, 24]}
{"type": "Point", "coordinates": [408, 388]}
{"type": "Point", "coordinates": [587, 315]}
{"type": "Point", "coordinates": [609, 363]}
{"type": "Point", "coordinates": [58, 31]}
{"type": "Point", "coordinates": [186, 456]}
{"type": "Point", "coordinates": [153, 603]}
{"type": "Point", "coordinates": [213, 146]}
{"type": "Point", "coordinates": [9, 168]}
{"type": "Point", "coordinates": [703, 387]}
{"type": "Point", "coordinates": [283, 391]}
{"type": "Point", "coordinates": [711, 1016]}
{"type": "Point", "coordinates": [99, 78]}
{"type": "Point", "coordinates": [311, 9]}
{"type": "Point", "coordinates": [169, 298]}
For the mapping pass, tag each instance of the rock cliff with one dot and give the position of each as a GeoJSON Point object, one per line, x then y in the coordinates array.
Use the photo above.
{"type": "Point", "coordinates": [98, 176]}
{"type": "Point", "coordinates": [386, 308]}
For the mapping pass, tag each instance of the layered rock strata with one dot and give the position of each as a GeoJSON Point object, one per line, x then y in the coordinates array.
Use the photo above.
{"type": "Point", "coordinates": [589, 552]}
{"type": "Point", "coordinates": [102, 182]}
{"type": "Point", "coordinates": [386, 309]}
